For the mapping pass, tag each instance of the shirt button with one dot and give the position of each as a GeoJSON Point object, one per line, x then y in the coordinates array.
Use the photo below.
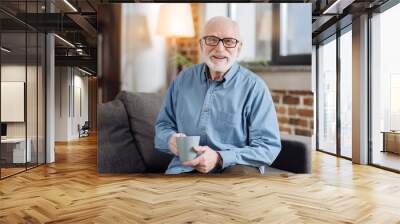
{"type": "Point", "coordinates": [205, 109]}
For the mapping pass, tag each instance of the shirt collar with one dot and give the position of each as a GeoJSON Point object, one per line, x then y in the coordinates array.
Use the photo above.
{"type": "Point", "coordinates": [228, 76]}
{"type": "Point", "coordinates": [231, 73]}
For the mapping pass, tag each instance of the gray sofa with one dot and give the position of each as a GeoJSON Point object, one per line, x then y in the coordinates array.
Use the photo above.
{"type": "Point", "coordinates": [125, 138]}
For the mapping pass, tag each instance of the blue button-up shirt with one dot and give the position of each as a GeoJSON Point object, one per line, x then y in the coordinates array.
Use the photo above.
{"type": "Point", "coordinates": [234, 116]}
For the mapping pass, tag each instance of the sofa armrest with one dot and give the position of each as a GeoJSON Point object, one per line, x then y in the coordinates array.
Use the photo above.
{"type": "Point", "coordinates": [294, 157]}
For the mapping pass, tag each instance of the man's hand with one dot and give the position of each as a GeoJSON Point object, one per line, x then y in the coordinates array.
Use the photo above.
{"type": "Point", "coordinates": [172, 143]}
{"type": "Point", "coordinates": [206, 161]}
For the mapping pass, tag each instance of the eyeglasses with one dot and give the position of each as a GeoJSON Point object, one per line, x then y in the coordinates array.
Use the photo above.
{"type": "Point", "coordinates": [214, 41]}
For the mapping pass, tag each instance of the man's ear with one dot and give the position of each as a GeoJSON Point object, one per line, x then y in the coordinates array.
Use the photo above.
{"type": "Point", "coordinates": [201, 45]}
{"type": "Point", "coordinates": [239, 48]}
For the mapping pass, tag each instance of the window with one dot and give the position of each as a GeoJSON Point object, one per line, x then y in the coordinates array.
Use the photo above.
{"type": "Point", "coordinates": [346, 93]}
{"type": "Point", "coordinates": [277, 34]}
{"type": "Point", "coordinates": [327, 96]}
{"type": "Point", "coordinates": [385, 89]}
{"type": "Point", "coordinates": [292, 45]}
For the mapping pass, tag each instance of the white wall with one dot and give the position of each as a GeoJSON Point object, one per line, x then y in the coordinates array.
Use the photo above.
{"type": "Point", "coordinates": [13, 72]}
{"type": "Point", "coordinates": [215, 9]}
{"type": "Point", "coordinates": [288, 79]}
{"type": "Point", "coordinates": [61, 103]}
{"type": "Point", "coordinates": [80, 83]}
{"type": "Point", "coordinates": [143, 52]}
{"type": "Point", "coordinates": [247, 23]}
{"type": "Point", "coordinates": [67, 115]}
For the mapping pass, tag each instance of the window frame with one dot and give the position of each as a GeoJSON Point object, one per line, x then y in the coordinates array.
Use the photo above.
{"type": "Point", "coordinates": [276, 58]}
{"type": "Point", "coordinates": [334, 37]}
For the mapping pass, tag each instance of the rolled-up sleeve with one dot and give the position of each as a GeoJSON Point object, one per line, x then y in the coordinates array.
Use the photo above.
{"type": "Point", "coordinates": [165, 125]}
{"type": "Point", "coordinates": [264, 139]}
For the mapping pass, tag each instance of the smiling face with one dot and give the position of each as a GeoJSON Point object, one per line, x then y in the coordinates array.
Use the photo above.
{"type": "Point", "coordinates": [220, 58]}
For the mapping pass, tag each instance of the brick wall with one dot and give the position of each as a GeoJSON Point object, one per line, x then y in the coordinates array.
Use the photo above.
{"type": "Point", "coordinates": [295, 111]}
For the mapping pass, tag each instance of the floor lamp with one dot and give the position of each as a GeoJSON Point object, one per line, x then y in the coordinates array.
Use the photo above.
{"type": "Point", "coordinates": [174, 21]}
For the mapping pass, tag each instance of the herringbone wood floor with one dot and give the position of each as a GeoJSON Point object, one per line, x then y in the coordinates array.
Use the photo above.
{"type": "Point", "coordinates": [70, 191]}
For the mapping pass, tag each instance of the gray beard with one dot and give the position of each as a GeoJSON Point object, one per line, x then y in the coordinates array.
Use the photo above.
{"type": "Point", "coordinates": [213, 68]}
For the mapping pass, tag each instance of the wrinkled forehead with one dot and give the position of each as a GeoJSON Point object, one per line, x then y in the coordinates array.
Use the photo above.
{"type": "Point", "coordinates": [222, 29]}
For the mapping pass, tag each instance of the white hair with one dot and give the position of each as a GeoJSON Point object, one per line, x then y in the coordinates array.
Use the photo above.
{"type": "Point", "coordinates": [218, 19]}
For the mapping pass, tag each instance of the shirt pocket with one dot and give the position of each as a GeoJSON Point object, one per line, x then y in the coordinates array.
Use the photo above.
{"type": "Point", "coordinates": [230, 128]}
{"type": "Point", "coordinates": [230, 118]}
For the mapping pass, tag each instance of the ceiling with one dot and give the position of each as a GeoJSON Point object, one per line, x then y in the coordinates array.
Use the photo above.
{"type": "Point", "coordinates": [76, 22]}
{"type": "Point", "coordinates": [331, 15]}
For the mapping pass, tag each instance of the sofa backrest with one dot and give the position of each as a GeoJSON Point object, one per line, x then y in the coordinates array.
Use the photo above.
{"type": "Point", "coordinates": [142, 110]}
{"type": "Point", "coordinates": [116, 149]}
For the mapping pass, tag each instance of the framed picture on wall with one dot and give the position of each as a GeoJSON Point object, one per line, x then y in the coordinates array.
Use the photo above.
{"type": "Point", "coordinates": [12, 101]}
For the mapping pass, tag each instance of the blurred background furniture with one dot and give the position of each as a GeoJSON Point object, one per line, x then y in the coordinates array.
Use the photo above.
{"type": "Point", "coordinates": [84, 130]}
{"type": "Point", "coordinates": [391, 141]}
{"type": "Point", "coordinates": [125, 141]}
{"type": "Point", "coordinates": [13, 150]}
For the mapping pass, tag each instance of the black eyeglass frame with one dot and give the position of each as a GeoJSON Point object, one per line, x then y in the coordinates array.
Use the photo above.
{"type": "Point", "coordinates": [220, 39]}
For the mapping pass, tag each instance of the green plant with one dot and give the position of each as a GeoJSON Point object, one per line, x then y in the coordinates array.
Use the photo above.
{"type": "Point", "coordinates": [181, 60]}
{"type": "Point", "coordinates": [254, 63]}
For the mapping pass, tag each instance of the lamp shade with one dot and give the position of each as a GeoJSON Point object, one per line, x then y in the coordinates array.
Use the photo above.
{"type": "Point", "coordinates": [175, 20]}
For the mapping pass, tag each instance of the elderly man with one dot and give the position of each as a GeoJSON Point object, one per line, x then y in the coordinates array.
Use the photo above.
{"type": "Point", "coordinates": [228, 106]}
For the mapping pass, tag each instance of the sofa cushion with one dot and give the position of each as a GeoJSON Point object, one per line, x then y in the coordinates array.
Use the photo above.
{"type": "Point", "coordinates": [116, 150]}
{"type": "Point", "coordinates": [143, 109]}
